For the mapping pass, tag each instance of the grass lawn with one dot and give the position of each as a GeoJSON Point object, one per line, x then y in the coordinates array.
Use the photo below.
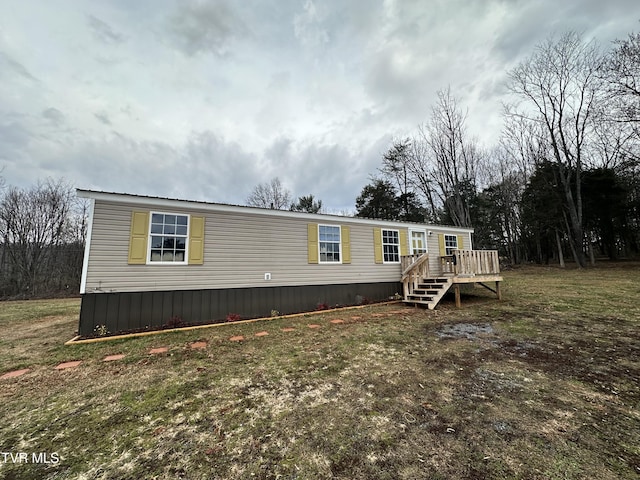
{"type": "Point", "coordinates": [545, 384]}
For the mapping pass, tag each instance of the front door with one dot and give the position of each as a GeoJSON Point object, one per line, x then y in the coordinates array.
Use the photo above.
{"type": "Point", "coordinates": [418, 242]}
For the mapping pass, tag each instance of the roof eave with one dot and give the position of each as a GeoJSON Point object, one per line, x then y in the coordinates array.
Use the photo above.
{"type": "Point", "coordinates": [156, 202]}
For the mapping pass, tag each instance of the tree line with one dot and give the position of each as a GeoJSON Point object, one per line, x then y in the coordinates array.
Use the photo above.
{"type": "Point", "coordinates": [42, 235]}
{"type": "Point", "coordinates": [564, 179]}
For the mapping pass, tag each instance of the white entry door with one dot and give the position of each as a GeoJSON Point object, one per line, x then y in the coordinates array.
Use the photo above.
{"type": "Point", "coordinates": [418, 242]}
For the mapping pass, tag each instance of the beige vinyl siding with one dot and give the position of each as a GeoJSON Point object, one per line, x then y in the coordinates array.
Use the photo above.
{"type": "Point", "coordinates": [239, 249]}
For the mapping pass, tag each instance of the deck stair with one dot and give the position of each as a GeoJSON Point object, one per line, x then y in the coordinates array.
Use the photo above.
{"type": "Point", "coordinates": [425, 284]}
{"type": "Point", "coordinates": [429, 292]}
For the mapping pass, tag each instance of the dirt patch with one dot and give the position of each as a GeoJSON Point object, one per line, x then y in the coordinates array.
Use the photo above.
{"type": "Point", "coordinates": [488, 382]}
{"type": "Point", "coordinates": [469, 331]}
{"type": "Point", "coordinates": [599, 361]}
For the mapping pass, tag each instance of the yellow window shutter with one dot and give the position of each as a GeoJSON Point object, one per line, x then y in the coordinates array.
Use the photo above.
{"type": "Point", "coordinates": [404, 242]}
{"type": "Point", "coordinates": [460, 242]}
{"type": "Point", "coordinates": [377, 245]}
{"type": "Point", "coordinates": [312, 242]}
{"type": "Point", "coordinates": [138, 238]}
{"type": "Point", "coordinates": [345, 235]}
{"type": "Point", "coordinates": [443, 250]}
{"type": "Point", "coordinates": [196, 241]}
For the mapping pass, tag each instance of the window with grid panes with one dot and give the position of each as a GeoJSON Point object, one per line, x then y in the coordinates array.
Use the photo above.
{"type": "Point", "coordinates": [329, 243]}
{"type": "Point", "coordinates": [391, 246]}
{"type": "Point", "coordinates": [450, 244]}
{"type": "Point", "coordinates": [168, 238]}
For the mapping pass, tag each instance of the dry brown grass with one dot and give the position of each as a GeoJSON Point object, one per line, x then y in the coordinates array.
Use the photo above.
{"type": "Point", "coordinates": [545, 384]}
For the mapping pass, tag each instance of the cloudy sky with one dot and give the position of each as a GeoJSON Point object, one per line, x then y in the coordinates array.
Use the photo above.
{"type": "Point", "coordinates": [205, 99]}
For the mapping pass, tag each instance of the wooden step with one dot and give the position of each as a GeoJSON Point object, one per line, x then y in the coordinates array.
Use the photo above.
{"type": "Point", "coordinates": [424, 291]}
{"type": "Point", "coordinates": [432, 286]}
{"type": "Point", "coordinates": [429, 292]}
{"type": "Point", "coordinates": [419, 298]}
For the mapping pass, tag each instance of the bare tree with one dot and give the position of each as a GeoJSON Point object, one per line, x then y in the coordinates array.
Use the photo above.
{"type": "Point", "coordinates": [560, 87]}
{"type": "Point", "coordinates": [524, 143]}
{"type": "Point", "coordinates": [503, 197]}
{"type": "Point", "coordinates": [34, 224]}
{"type": "Point", "coordinates": [419, 165]}
{"type": "Point", "coordinates": [396, 167]}
{"type": "Point", "coordinates": [452, 159]}
{"type": "Point", "coordinates": [622, 74]}
{"type": "Point", "coordinates": [270, 195]}
{"type": "Point", "coordinates": [439, 168]}
{"type": "Point", "coordinates": [613, 143]}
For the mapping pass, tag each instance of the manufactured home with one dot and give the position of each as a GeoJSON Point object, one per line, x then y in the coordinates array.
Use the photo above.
{"type": "Point", "coordinates": [152, 261]}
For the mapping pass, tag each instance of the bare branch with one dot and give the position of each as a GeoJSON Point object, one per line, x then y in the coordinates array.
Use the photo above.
{"type": "Point", "coordinates": [270, 195]}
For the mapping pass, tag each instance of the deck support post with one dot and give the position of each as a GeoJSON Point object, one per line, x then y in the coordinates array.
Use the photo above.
{"type": "Point", "coordinates": [456, 289]}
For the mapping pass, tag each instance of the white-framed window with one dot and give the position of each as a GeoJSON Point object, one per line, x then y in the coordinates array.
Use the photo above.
{"type": "Point", "coordinates": [168, 238]}
{"type": "Point", "coordinates": [450, 244]}
{"type": "Point", "coordinates": [391, 246]}
{"type": "Point", "coordinates": [329, 243]}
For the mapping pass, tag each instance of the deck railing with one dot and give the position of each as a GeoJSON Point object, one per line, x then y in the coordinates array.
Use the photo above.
{"type": "Point", "coordinates": [475, 262]}
{"type": "Point", "coordinates": [468, 263]}
{"type": "Point", "coordinates": [414, 269]}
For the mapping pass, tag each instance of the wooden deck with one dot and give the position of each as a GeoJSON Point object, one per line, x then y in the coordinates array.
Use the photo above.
{"type": "Point", "coordinates": [421, 285]}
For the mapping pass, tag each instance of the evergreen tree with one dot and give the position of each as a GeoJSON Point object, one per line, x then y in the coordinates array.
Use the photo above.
{"type": "Point", "coordinates": [378, 200]}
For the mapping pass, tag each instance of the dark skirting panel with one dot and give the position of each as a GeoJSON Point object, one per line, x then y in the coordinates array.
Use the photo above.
{"type": "Point", "coordinates": [137, 311]}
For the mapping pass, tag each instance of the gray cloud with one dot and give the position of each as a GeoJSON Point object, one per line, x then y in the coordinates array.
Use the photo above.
{"type": "Point", "coordinates": [103, 118]}
{"type": "Point", "coordinates": [530, 23]}
{"type": "Point", "coordinates": [14, 135]}
{"type": "Point", "coordinates": [123, 164]}
{"type": "Point", "coordinates": [212, 97]}
{"type": "Point", "coordinates": [16, 67]}
{"type": "Point", "coordinates": [104, 32]}
{"type": "Point", "coordinates": [223, 171]}
{"type": "Point", "coordinates": [331, 172]}
{"type": "Point", "coordinates": [15, 163]}
{"type": "Point", "coordinates": [200, 27]}
{"type": "Point", "coordinates": [54, 115]}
